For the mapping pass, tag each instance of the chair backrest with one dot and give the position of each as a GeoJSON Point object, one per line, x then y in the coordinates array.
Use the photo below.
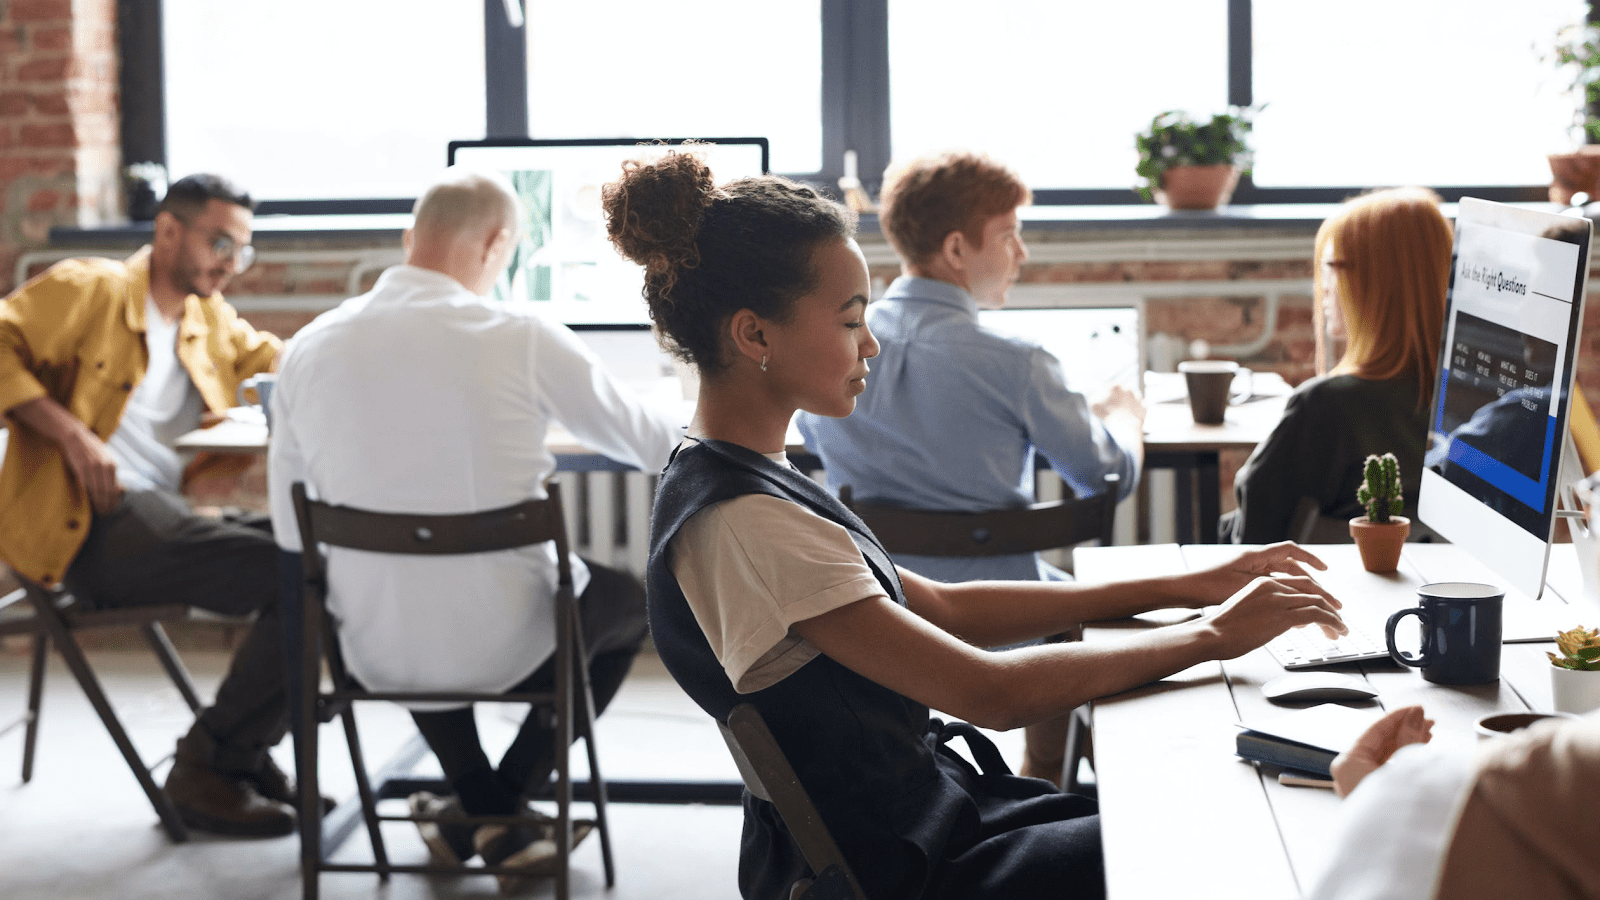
{"type": "Point", "coordinates": [768, 775]}
{"type": "Point", "coordinates": [999, 532]}
{"type": "Point", "coordinates": [518, 525]}
{"type": "Point", "coordinates": [325, 524]}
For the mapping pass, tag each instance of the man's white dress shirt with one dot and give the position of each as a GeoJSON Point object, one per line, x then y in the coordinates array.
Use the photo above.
{"type": "Point", "coordinates": [423, 397]}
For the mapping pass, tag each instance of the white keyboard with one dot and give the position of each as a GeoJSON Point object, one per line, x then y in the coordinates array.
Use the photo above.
{"type": "Point", "coordinates": [1307, 646]}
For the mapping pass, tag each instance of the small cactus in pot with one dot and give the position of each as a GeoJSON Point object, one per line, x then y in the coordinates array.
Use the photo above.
{"type": "Point", "coordinates": [1380, 533]}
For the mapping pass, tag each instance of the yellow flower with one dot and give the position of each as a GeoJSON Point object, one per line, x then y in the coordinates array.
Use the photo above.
{"type": "Point", "coordinates": [1580, 649]}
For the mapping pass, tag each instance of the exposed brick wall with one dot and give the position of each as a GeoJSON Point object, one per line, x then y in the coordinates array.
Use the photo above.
{"type": "Point", "coordinates": [59, 139]}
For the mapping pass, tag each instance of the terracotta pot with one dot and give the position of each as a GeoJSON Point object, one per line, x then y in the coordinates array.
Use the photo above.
{"type": "Point", "coordinates": [1380, 542]}
{"type": "Point", "coordinates": [1197, 187]}
{"type": "Point", "coordinates": [1574, 172]}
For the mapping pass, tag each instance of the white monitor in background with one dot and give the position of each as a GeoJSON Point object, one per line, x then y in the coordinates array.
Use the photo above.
{"type": "Point", "coordinates": [566, 264]}
{"type": "Point", "coordinates": [1097, 346]}
{"type": "Point", "coordinates": [1504, 386]}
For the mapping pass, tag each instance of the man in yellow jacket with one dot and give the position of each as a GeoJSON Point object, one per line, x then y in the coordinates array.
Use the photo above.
{"type": "Point", "coordinates": [103, 364]}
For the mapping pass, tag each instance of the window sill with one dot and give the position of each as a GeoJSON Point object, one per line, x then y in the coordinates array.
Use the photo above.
{"type": "Point", "coordinates": [268, 230]}
{"type": "Point", "coordinates": [1065, 221]}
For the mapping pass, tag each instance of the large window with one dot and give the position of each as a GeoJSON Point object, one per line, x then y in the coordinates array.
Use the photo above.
{"type": "Point", "coordinates": [310, 99]}
{"type": "Point", "coordinates": [1027, 80]}
{"type": "Point", "coordinates": [1441, 92]}
{"type": "Point", "coordinates": [357, 99]}
{"type": "Point", "coordinates": [691, 68]}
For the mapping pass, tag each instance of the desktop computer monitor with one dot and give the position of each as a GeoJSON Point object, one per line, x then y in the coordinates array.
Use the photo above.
{"type": "Point", "coordinates": [1513, 317]}
{"type": "Point", "coordinates": [566, 264]}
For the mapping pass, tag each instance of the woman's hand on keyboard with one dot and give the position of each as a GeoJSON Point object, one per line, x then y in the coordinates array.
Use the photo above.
{"type": "Point", "coordinates": [1285, 556]}
{"type": "Point", "coordinates": [1209, 587]}
{"type": "Point", "coordinates": [1270, 605]}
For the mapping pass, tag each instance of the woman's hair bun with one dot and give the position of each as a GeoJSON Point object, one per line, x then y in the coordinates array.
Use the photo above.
{"type": "Point", "coordinates": [654, 211]}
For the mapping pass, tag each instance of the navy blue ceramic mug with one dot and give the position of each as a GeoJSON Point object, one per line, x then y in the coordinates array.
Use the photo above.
{"type": "Point", "coordinates": [1460, 632]}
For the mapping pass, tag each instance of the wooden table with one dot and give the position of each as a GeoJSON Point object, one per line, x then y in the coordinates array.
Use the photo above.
{"type": "Point", "coordinates": [1182, 816]}
{"type": "Point", "coordinates": [1172, 440]}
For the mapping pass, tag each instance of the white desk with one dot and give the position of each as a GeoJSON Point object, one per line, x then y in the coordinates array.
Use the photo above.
{"type": "Point", "coordinates": [1181, 815]}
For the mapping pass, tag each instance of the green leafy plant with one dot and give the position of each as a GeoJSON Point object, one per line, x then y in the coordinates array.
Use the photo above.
{"type": "Point", "coordinates": [1380, 488]}
{"type": "Point", "coordinates": [1576, 54]}
{"type": "Point", "coordinates": [1580, 649]}
{"type": "Point", "coordinates": [1174, 139]}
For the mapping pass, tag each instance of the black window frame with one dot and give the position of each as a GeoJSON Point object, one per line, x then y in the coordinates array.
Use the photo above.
{"type": "Point", "coordinates": [856, 106]}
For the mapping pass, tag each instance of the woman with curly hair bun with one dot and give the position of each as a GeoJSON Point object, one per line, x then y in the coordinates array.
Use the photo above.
{"type": "Point", "coordinates": [764, 589]}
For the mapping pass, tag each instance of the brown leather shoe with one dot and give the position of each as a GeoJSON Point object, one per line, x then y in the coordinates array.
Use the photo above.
{"type": "Point", "coordinates": [274, 783]}
{"type": "Point", "coordinates": [211, 801]}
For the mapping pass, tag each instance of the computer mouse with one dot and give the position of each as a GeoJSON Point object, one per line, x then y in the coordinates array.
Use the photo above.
{"type": "Point", "coordinates": [1297, 687]}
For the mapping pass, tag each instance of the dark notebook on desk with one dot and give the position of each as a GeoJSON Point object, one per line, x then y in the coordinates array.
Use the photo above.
{"type": "Point", "coordinates": [1305, 740]}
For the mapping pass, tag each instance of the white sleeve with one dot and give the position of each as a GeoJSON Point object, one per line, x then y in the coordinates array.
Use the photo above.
{"type": "Point", "coordinates": [1396, 826]}
{"type": "Point", "coordinates": [286, 462]}
{"type": "Point", "coordinates": [753, 566]}
{"type": "Point", "coordinates": [598, 412]}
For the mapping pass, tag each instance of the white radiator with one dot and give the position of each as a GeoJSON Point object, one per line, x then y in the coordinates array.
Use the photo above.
{"type": "Point", "coordinates": [608, 516]}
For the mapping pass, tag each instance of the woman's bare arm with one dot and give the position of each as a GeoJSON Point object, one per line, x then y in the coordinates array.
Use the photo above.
{"type": "Point", "coordinates": [996, 613]}
{"type": "Point", "coordinates": [907, 653]}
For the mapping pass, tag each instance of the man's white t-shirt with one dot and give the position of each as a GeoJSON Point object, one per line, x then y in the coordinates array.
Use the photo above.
{"type": "Point", "coordinates": [164, 405]}
{"type": "Point", "coordinates": [423, 397]}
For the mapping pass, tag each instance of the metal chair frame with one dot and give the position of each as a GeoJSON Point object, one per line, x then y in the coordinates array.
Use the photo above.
{"type": "Point", "coordinates": [768, 775]}
{"type": "Point", "coordinates": [57, 615]}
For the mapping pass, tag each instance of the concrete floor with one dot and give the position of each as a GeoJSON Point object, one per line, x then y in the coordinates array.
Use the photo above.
{"type": "Point", "coordinates": [82, 829]}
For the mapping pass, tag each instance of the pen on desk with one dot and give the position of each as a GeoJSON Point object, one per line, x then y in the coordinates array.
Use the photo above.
{"type": "Point", "coordinates": [1285, 778]}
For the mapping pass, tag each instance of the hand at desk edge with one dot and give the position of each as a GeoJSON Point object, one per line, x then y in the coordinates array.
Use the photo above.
{"type": "Point", "coordinates": [1382, 739]}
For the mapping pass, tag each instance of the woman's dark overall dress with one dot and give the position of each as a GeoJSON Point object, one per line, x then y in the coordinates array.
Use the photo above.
{"type": "Point", "coordinates": [913, 818]}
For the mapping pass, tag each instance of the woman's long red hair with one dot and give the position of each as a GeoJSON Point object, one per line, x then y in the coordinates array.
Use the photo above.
{"type": "Point", "coordinates": [1393, 250]}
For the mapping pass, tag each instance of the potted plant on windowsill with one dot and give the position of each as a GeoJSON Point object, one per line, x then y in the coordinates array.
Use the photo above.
{"type": "Point", "coordinates": [1380, 534]}
{"type": "Point", "coordinates": [1193, 165]}
{"type": "Point", "coordinates": [1575, 673]}
{"type": "Point", "coordinates": [1576, 53]}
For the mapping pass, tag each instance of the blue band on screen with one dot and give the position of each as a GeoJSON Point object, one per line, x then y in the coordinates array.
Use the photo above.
{"type": "Point", "coordinates": [1519, 486]}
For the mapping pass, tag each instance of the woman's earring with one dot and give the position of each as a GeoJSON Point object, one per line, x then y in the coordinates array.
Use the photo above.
{"type": "Point", "coordinates": [763, 362]}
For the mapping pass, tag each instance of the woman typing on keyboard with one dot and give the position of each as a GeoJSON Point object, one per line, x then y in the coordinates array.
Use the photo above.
{"type": "Point", "coordinates": [764, 589]}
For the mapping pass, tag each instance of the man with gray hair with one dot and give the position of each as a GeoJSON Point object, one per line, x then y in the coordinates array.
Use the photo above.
{"type": "Point", "coordinates": [426, 396]}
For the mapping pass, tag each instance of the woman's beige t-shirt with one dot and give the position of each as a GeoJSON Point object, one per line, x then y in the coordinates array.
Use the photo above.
{"type": "Point", "coordinates": [753, 566]}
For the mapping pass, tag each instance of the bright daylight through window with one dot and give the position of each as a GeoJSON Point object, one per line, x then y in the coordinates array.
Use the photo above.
{"type": "Point", "coordinates": [1364, 93]}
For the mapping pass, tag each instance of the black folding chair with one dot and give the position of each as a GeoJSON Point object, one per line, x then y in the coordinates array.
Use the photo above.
{"type": "Point", "coordinates": [52, 616]}
{"type": "Point", "coordinates": [521, 525]}
{"type": "Point", "coordinates": [768, 775]}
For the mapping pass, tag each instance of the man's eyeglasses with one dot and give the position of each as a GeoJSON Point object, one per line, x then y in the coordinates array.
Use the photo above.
{"type": "Point", "coordinates": [241, 255]}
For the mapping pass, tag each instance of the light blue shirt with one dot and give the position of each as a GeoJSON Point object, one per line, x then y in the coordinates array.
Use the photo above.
{"type": "Point", "coordinates": [951, 418]}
